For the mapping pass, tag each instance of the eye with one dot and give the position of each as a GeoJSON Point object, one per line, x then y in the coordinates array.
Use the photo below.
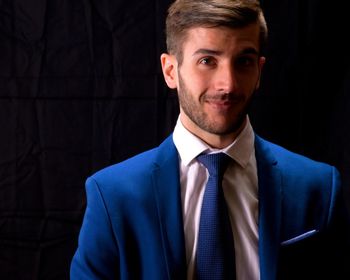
{"type": "Point", "coordinates": [207, 61]}
{"type": "Point", "coordinates": [246, 61]}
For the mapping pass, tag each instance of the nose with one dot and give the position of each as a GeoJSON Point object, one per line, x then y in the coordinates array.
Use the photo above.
{"type": "Point", "coordinates": [226, 79]}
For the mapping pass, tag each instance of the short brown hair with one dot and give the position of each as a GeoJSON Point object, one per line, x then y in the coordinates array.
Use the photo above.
{"type": "Point", "coordinates": [185, 14]}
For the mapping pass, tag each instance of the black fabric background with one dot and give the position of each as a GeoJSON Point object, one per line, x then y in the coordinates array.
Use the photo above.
{"type": "Point", "coordinates": [81, 88]}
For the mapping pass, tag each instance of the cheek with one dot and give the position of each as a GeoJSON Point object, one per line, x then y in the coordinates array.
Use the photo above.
{"type": "Point", "coordinates": [197, 86]}
{"type": "Point", "coordinates": [195, 80]}
{"type": "Point", "coordinates": [249, 83]}
{"type": "Point", "coordinates": [199, 83]}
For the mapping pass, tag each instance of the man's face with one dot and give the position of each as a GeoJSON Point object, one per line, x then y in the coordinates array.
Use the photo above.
{"type": "Point", "coordinates": [216, 80]}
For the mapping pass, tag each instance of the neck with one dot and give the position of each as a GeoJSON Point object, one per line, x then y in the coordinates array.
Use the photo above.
{"type": "Point", "coordinates": [215, 141]}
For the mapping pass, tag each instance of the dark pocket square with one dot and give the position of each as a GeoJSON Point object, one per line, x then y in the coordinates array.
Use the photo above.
{"type": "Point", "coordinates": [299, 237]}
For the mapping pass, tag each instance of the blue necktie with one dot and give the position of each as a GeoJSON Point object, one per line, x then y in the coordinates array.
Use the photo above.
{"type": "Point", "coordinates": [215, 258]}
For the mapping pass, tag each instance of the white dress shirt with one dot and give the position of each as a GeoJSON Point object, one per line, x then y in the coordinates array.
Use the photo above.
{"type": "Point", "coordinates": [240, 185]}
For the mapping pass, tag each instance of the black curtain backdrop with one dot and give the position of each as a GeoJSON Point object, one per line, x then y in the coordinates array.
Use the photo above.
{"type": "Point", "coordinates": [81, 88]}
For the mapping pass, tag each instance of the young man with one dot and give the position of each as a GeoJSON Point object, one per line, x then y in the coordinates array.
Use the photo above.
{"type": "Point", "coordinates": [144, 217]}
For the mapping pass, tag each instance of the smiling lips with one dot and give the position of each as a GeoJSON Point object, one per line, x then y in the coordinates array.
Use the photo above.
{"type": "Point", "coordinates": [221, 101]}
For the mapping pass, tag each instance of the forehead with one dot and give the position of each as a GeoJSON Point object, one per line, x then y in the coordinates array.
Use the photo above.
{"type": "Point", "coordinates": [223, 39]}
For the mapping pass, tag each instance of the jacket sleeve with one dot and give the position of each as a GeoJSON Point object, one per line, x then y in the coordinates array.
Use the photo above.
{"type": "Point", "coordinates": [97, 254]}
{"type": "Point", "coordinates": [339, 230]}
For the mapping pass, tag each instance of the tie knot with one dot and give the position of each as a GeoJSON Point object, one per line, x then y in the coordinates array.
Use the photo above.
{"type": "Point", "coordinates": [215, 163]}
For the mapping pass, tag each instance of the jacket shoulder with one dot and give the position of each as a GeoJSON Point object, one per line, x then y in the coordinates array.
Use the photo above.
{"type": "Point", "coordinates": [137, 164]}
{"type": "Point", "coordinates": [137, 168]}
{"type": "Point", "coordinates": [289, 160]}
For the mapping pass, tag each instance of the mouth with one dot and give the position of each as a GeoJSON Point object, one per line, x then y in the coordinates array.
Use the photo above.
{"type": "Point", "coordinates": [221, 101]}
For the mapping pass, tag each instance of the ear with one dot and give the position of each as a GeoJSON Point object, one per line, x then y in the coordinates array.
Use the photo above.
{"type": "Point", "coordinates": [261, 63]}
{"type": "Point", "coordinates": [169, 67]}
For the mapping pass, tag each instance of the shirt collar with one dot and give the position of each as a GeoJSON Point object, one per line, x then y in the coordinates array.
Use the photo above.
{"type": "Point", "coordinates": [190, 146]}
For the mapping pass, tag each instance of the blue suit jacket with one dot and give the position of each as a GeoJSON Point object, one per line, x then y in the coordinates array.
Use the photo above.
{"type": "Point", "coordinates": [133, 226]}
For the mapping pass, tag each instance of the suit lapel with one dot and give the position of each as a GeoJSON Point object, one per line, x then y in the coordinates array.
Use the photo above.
{"type": "Point", "coordinates": [168, 196]}
{"type": "Point", "coordinates": [270, 201]}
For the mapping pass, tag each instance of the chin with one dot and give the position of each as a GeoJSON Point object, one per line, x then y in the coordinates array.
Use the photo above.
{"type": "Point", "coordinates": [221, 129]}
{"type": "Point", "coordinates": [230, 127]}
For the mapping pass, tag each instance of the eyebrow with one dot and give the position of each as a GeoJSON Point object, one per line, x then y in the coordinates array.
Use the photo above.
{"type": "Point", "coordinates": [250, 51]}
{"type": "Point", "coordinates": [207, 52]}
{"type": "Point", "coordinates": [216, 52]}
